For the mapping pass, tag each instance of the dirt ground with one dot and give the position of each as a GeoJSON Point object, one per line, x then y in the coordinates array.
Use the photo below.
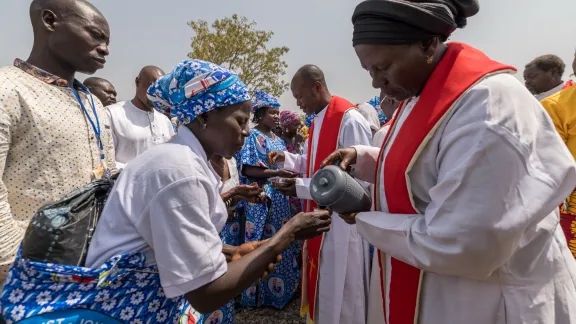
{"type": "Point", "coordinates": [289, 315]}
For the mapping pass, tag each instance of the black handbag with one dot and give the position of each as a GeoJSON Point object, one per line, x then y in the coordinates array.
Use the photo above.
{"type": "Point", "coordinates": [60, 232]}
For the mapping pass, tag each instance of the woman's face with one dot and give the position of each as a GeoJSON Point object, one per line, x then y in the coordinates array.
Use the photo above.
{"type": "Point", "coordinates": [399, 71]}
{"type": "Point", "coordinates": [227, 128]}
{"type": "Point", "coordinates": [271, 118]}
{"type": "Point", "coordinates": [294, 127]}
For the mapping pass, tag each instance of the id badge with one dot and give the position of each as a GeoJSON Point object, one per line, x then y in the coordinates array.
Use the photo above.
{"type": "Point", "coordinates": [98, 173]}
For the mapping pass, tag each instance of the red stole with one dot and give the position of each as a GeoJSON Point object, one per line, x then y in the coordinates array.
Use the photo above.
{"type": "Point", "coordinates": [568, 84]}
{"type": "Point", "coordinates": [460, 68]}
{"type": "Point", "coordinates": [327, 143]}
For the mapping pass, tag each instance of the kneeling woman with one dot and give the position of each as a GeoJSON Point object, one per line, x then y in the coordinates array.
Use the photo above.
{"type": "Point", "coordinates": [156, 246]}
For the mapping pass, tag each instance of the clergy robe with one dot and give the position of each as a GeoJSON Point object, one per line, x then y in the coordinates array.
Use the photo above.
{"type": "Point", "coordinates": [343, 284]}
{"type": "Point", "coordinates": [486, 234]}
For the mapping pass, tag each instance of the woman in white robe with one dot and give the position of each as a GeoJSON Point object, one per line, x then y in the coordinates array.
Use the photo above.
{"type": "Point", "coordinates": [484, 183]}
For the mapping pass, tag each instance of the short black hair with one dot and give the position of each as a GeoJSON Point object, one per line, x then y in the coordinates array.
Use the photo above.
{"type": "Point", "coordinates": [311, 74]}
{"type": "Point", "coordinates": [548, 63]}
{"type": "Point", "coordinates": [92, 82]}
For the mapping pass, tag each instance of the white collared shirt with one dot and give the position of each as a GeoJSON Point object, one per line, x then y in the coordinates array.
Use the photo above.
{"type": "Point", "coordinates": [546, 94]}
{"type": "Point", "coordinates": [166, 203]}
{"type": "Point", "coordinates": [135, 130]}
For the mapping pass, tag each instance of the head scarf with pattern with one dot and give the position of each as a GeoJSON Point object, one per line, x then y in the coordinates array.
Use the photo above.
{"type": "Point", "coordinates": [262, 99]}
{"type": "Point", "coordinates": [195, 87]}
{"type": "Point", "coordinates": [287, 118]}
{"type": "Point", "coordinates": [309, 119]}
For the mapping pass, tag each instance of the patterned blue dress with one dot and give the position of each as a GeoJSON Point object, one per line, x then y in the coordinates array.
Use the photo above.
{"type": "Point", "coordinates": [263, 221]}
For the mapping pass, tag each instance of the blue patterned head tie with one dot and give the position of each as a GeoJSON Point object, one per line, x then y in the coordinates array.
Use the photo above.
{"type": "Point", "coordinates": [309, 119]}
{"type": "Point", "coordinates": [375, 102]}
{"type": "Point", "coordinates": [262, 99]}
{"type": "Point", "coordinates": [195, 87]}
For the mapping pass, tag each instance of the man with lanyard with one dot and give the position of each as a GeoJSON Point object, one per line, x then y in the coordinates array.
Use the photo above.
{"type": "Point", "coordinates": [334, 286]}
{"type": "Point", "coordinates": [54, 136]}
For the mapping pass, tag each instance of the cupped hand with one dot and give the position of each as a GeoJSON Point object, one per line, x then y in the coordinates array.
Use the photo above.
{"type": "Point", "coordinates": [308, 225]}
{"type": "Point", "coordinates": [287, 174]}
{"type": "Point", "coordinates": [346, 156]}
{"type": "Point", "coordinates": [275, 157]}
{"type": "Point", "coordinates": [247, 191]}
{"type": "Point", "coordinates": [349, 218]}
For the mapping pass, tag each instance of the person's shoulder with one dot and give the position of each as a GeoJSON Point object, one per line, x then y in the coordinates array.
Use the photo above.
{"type": "Point", "coordinates": [565, 97]}
{"type": "Point", "coordinates": [169, 161]}
{"type": "Point", "coordinates": [10, 77]}
{"type": "Point", "coordinates": [118, 105]}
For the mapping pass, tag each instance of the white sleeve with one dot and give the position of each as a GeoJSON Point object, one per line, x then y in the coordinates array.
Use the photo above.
{"type": "Point", "coordinates": [355, 131]}
{"type": "Point", "coordinates": [490, 187]}
{"type": "Point", "coordinates": [366, 160]}
{"type": "Point", "coordinates": [296, 162]}
{"type": "Point", "coordinates": [178, 228]}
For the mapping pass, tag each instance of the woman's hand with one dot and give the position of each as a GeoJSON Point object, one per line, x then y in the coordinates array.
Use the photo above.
{"type": "Point", "coordinates": [308, 225]}
{"type": "Point", "coordinates": [286, 174]}
{"type": "Point", "coordinates": [229, 251]}
{"type": "Point", "coordinates": [276, 157]}
{"type": "Point", "coordinates": [346, 156]}
{"type": "Point", "coordinates": [287, 188]}
{"type": "Point", "coordinates": [349, 218]}
{"type": "Point", "coordinates": [250, 193]}
{"type": "Point", "coordinates": [246, 248]}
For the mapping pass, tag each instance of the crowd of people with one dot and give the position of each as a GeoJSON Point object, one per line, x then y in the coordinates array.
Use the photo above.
{"type": "Point", "coordinates": [471, 173]}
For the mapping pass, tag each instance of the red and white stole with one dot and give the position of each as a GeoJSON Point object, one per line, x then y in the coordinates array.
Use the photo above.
{"type": "Point", "coordinates": [327, 143]}
{"type": "Point", "coordinates": [460, 68]}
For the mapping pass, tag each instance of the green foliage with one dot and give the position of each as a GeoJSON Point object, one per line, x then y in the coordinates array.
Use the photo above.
{"type": "Point", "coordinates": [234, 42]}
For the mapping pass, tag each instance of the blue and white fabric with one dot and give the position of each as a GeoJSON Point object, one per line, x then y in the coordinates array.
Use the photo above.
{"type": "Point", "coordinates": [195, 87]}
{"type": "Point", "coordinates": [375, 102]}
{"type": "Point", "coordinates": [309, 120]}
{"type": "Point", "coordinates": [123, 290]}
{"type": "Point", "coordinates": [262, 99]}
{"type": "Point", "coordinates": [263, 221]}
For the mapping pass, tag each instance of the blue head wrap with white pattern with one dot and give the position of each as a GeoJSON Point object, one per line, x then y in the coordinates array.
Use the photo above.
{"type": "Point", "coordinates": [309, 119]}
{"type": "Point", "coordinates": [195, 87]}
{"type": "Point", "coordinates": [262, 99]}
{"type": "Point", "coordinates": [375, 102]}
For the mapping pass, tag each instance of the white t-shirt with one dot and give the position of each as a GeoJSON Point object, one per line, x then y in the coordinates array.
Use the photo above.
{"type": "Point", "coordinates": [135, 130]}
{"type": "Point", "coordinates": [166, 203]}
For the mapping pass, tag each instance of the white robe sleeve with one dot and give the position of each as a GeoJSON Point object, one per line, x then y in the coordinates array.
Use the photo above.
{"type": "Point", "coordinates": [491, 185]}
{"type": "Point", "coordinates": [296, 162]}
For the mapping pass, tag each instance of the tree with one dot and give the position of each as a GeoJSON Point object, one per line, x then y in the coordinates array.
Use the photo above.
{"type": "Point", "coordinates": [234, 42]}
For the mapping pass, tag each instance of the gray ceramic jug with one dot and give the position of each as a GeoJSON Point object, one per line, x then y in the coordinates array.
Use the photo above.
{"type": "Point", "coordinates": [333, 187]}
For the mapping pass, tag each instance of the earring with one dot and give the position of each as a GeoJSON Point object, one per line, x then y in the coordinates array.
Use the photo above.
{"type": "Point", "coordinates": [429, 59]}
{"type": "Point", "coordinates": [204, 126]}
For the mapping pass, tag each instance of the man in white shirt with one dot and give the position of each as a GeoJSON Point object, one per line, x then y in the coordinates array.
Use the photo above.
{"type": "Point", "coordinates": [136, 125]}
{"type": "Point", "coordinates": [543, 76]}
{"type": "Point", "coordinates": [335, 284]}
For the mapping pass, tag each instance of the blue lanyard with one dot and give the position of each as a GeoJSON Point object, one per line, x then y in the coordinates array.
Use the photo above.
{"type": "Point", "coordinates": [95, 125]}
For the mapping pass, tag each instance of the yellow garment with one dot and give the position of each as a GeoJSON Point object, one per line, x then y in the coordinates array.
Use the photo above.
{"type": "Point", "coordinates": [562, 109]}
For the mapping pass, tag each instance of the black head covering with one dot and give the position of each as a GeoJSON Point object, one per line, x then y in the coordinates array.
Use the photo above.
{"type": "Point", "coordinates": [409, 21]}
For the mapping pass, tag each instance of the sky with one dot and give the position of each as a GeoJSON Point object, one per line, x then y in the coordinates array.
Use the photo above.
{"type": "Point", "coordinates": [146, 32]}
